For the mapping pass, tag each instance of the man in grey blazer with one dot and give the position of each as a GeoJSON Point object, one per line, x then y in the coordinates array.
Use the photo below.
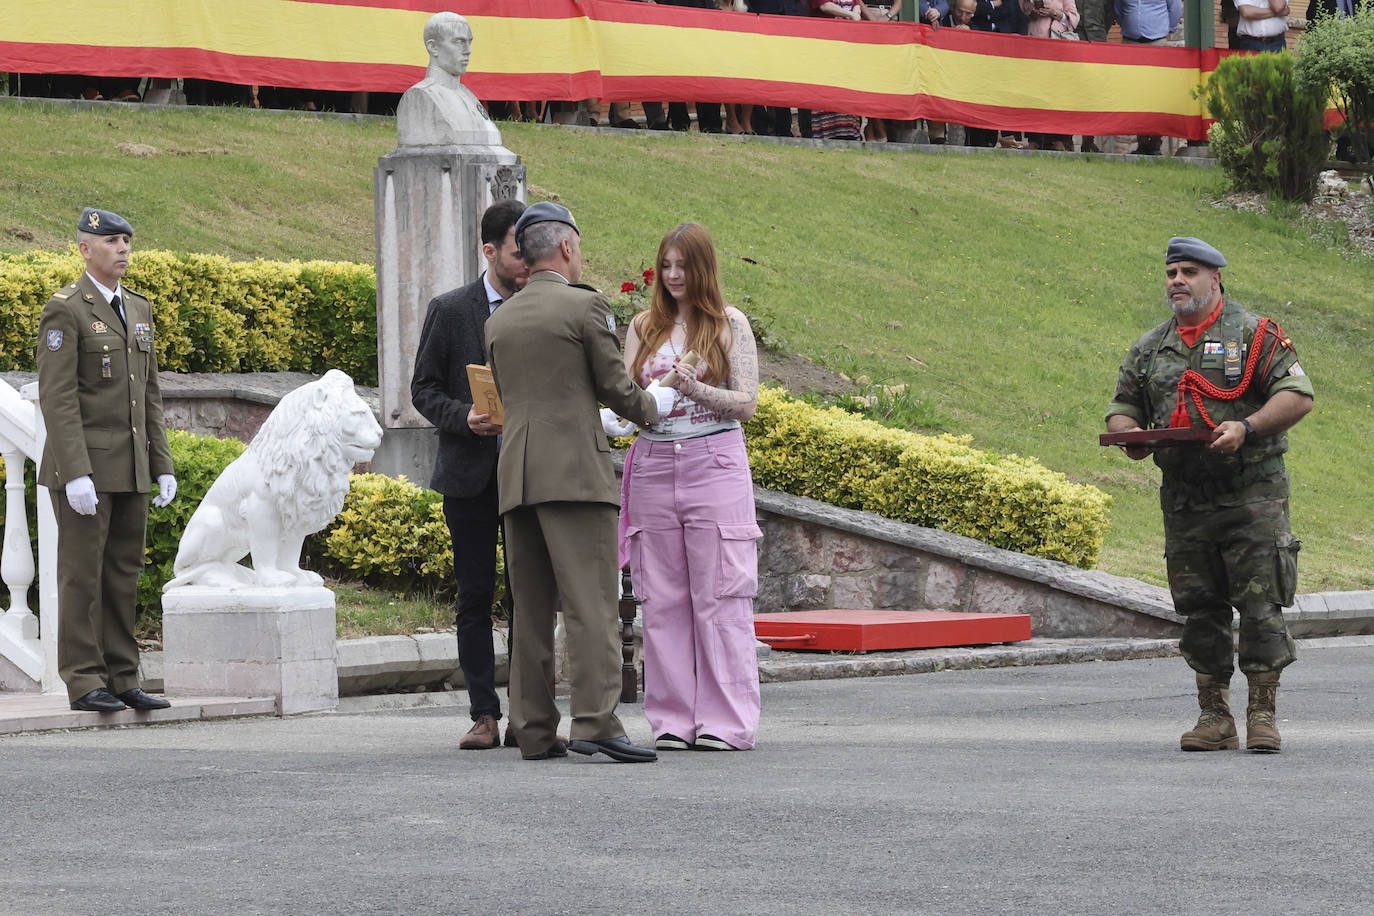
{"type": "Point", "coordinates": [554, 354]}
{"type": "Point", "coordinates": [465, 464]}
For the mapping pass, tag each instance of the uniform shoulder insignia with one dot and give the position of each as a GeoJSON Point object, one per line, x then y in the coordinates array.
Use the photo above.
{"type": "Point", "coordinates": [65, 292]}
{"type": "Point", "coordinates": [590, 289]}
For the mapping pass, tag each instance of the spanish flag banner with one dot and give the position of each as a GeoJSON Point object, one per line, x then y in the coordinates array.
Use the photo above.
{"type": "Point", "coordinates": [617, 50]}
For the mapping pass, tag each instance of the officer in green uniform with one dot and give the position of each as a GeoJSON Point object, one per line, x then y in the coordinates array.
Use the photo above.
{"type": "Point", "coordinates": [1226, 536]}
{"type": "Point", "coordinates": [97, 389]}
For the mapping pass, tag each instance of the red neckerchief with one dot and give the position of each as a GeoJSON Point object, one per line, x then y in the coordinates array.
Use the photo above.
{"type": "Point", "coordinates": [1189, 335]}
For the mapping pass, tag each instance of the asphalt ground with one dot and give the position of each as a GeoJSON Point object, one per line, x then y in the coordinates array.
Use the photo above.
{"type": "Point", "coordinates": [1041, 789]}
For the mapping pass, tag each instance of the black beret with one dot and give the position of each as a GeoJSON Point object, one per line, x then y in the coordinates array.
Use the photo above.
{"type": "Point", "coordinates": [543, 212]}
{"type": "Point", "coordinates": [1187, 248]}
{"type": "Point", "coordinates": [103, 222]}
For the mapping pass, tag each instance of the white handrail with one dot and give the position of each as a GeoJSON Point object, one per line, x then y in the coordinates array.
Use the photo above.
{"type": "Point", "coordinates": [29, 646]}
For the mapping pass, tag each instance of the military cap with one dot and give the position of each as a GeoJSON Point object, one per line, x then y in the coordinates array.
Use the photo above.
{"type": "Point", "coordinates": [103, 222]}
{"type": "Point", "coordinates": [543, 212]}
{"type": "Point", "coordinates": [1187, 248]}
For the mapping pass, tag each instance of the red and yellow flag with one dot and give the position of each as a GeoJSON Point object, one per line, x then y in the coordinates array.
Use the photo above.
{"type": "Point", "coordinates": [621, 51]}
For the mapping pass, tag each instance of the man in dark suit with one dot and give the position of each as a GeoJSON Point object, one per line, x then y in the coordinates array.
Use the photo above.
{"type": "Point", "coordinates": [465, 466]}
{"type": "Point", "coordinates": [106, 445]}
{"type": "Point", "coordinates": [554, 354]}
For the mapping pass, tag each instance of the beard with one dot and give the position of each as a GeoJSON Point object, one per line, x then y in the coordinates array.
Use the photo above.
{"type": "Point", "coordinates": [1192, 306]}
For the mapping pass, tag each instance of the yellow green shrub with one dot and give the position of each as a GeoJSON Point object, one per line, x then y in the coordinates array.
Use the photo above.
{"type": "Point", "coordinates": [934, 481]}
{"type": "Point", "coordinates": [390, 531]}
{"type": "Point", "coordinates": [216, 315]}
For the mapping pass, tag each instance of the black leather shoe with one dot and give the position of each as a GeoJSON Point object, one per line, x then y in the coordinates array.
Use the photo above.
{"type": "Point", "coordinates": [99, 700]}
{"type": "Point", "coordinates": [137, 699]}
{"type": "Point", "coordinates": [557, 749]}
{"type": "Point", "coordinates": [618, 749]}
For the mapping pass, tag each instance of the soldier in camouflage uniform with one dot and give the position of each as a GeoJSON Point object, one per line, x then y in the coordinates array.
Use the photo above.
{"type": "Point", "coordinates": [1227, 541]}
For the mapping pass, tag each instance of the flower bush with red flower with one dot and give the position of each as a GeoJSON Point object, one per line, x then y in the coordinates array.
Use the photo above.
{"type": "Point", "coordinates": [635, 295]}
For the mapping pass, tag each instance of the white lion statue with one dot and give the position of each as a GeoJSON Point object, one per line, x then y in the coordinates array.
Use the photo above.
{"type": "Point", "coordinates": [290, 482]}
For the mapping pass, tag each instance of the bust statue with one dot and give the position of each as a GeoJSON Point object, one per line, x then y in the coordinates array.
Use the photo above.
{"type": "Point", "coordinates": [439, 110]}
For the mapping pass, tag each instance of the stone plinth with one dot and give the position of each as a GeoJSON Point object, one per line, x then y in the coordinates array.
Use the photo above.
{"type": "Point", "coordinates": [429, 205]}
{"type": "Point", "coordinates": [251, 642]}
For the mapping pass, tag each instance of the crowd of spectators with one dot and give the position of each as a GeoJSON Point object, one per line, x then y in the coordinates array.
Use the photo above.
{"type": "Point", "coordinates": [1259, 25]}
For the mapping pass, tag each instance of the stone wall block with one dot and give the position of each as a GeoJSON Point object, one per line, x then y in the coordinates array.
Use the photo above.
{"type": "Point", "coordinates": [898, 590]}
{"type": "Point", "coordinates": [770, 598]}
{"type": "Point", "coordinates": [894, 557]}
{"type": "Point", "coordinates": [853, 592]}
{"type": "Point", "coordinates": [787, 545]}
{"type": "Point", "coordinates": [212, 414]}
{"type": "Point", "coordinates": [945, 586]}
{"type": "Point", "coordinates": [994, 594]}
{"type": "Point", "coordinates": [1066, 615]}
{"type": "Point", "coordinates": [842, 552]}
{"type": "Point", "coordinates": [807, 592]}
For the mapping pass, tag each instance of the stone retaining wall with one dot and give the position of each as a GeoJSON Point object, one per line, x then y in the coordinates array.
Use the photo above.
{"type": "Point", "coordinates": [815, 555]}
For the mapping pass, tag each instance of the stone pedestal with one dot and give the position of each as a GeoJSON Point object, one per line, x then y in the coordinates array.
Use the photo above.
{"type": "Point", "coordinates": [429, 205]}
{"type": "Point", "coordinates": [251, 642]}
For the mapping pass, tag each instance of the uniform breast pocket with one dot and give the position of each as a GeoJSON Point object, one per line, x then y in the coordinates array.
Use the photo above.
{"type": "Point", "coordinates": [102, 358]}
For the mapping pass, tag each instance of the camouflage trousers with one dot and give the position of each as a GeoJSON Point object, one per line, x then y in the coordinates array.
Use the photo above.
{"type": "Point", "coordinates": [1246, 558]}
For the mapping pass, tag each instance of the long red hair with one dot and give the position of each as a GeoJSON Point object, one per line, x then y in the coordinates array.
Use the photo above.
{"type": "Point", "coordinates": [708, 330]}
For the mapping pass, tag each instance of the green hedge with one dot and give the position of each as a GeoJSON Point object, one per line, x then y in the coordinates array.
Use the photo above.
{"type": "Point", "coordinates": [938, 482]}
{"type": "Point", "coordinates": [392, 533]}
{"type": "Point", "coordinates": [214, 314]}
{"type": "Point", "coordinates": [1268, 133]}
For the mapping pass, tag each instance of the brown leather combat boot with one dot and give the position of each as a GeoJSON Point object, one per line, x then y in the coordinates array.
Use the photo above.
{"type": "Point", "coordinates": [484, 735]}
{"type": "Point", "coordinates": [1261, 727]}
{"type": "Point", "coordinates": [1215, 729]}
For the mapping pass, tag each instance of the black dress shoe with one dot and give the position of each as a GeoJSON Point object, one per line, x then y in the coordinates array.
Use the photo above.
{"type": "Point", "coordinates": [557, 749]}
{"type": "Point", "coordinates": [99, 700]}
{"type": "Point", "coordinates": [137, 699]}
{"type": "Point", "coordinates": [618, 749]}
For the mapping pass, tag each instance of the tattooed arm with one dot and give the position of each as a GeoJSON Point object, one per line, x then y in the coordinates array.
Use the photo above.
{"type": "Point", "coordinates": [740, 396]}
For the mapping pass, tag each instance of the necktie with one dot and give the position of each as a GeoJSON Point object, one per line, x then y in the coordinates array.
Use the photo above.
{"type": "Point", "coordinates": [119, 310]}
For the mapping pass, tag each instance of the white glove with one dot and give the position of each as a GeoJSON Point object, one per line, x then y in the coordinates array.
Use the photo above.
{"type": "Point", "coordinates": [166, 490]}
{"type": "Point", "coordinates": [663, 397]}
{"type": "Point", "coordinates": [612, 425]}
{"type": "Point", "coordinates": [81, 495]}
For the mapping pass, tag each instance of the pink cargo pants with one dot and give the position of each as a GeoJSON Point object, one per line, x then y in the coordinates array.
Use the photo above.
{"type": "Point", "coordinates": [692, 538]}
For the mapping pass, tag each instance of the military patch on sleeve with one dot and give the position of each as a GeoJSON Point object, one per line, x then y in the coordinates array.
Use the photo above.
{"type": "Point", "coordinates": [54, 340]}
{"type": "Point", "coordinates": [610, 322]}
{"type": "Point", "coordinates": [1296, 369]}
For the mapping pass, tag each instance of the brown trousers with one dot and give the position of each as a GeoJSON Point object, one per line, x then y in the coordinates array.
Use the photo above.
{"type": "Point", "coordinates": [99, 560]}
{"type": "Point", "coordinates": [564, 553]}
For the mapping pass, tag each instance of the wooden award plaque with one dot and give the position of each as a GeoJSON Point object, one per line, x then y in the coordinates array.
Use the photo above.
{"type": "Point", "coordinates": [1158, 438]}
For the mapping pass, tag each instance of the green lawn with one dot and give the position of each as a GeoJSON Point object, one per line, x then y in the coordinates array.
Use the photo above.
{"type": "Point", "coordinates": [1003, 289]}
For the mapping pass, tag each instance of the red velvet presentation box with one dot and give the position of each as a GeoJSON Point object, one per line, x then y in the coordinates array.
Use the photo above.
{"type": "Point", "coordinates": [870, 631]}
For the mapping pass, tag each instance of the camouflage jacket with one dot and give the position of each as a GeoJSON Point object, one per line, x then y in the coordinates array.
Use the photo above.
{"type": "Point", "coordinates": [1195, 477]}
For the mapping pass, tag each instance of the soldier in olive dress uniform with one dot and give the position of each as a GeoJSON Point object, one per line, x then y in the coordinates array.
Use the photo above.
{"type": "Point", "coordinates": [106, 446]}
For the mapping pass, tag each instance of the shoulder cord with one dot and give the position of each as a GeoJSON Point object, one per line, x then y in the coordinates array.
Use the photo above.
{"type": "Point", "coordinates": [1195, 385]}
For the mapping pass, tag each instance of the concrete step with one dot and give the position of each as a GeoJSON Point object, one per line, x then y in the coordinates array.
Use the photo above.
{"type": "Point", "coordinates": [49, 712]}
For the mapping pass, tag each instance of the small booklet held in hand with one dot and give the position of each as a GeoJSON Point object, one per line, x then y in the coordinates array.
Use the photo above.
{"type": "Point", "coordinates": [484, 396]}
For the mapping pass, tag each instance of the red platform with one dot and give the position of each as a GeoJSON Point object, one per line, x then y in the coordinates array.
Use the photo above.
{"type": "Point", "coordinates": [869, 631]}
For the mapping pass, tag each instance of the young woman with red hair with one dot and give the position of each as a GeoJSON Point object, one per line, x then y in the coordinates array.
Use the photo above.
{"type": "Point", "coordinates": [687, 514]}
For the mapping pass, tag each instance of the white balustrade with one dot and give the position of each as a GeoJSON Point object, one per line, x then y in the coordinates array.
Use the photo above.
{"type": "Point", "coordinates": [27, 641]}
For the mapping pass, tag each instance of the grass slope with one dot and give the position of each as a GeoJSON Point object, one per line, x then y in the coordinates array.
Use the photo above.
{"type": "Point", "coordinates": [1004, 289]}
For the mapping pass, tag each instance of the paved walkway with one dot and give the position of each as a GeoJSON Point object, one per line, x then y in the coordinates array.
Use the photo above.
{"type": "Point", "coordinates": [36, 712]}
{"type": "Point", "coordinates": [1033, 789]}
